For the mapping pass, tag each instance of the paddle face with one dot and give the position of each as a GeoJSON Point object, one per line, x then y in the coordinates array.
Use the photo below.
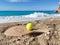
{"type": "Point", "coordinates": [16, 31]}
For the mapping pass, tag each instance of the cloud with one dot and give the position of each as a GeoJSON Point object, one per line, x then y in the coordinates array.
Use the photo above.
{"type": "Point", "coordinates": [18, 0]}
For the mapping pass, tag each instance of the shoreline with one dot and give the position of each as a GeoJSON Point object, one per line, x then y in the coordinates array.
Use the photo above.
{"type": "Point", "coordinates": [33, 21]}
{"type": "Point", "coordinates": [18, 21]}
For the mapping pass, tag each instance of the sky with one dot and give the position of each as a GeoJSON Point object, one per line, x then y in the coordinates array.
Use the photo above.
{"type": "Point", "coordinates": [28, 5]}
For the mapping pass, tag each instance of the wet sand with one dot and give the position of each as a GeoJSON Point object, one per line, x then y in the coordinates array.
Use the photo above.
{"type": "Point", "coordinates": [49, 38]}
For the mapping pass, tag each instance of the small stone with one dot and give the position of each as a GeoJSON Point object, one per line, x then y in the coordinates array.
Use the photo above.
{"type": "Point", "coordinates": [17, 42]}
{"type": "Point", "coordinates": [48, 33]}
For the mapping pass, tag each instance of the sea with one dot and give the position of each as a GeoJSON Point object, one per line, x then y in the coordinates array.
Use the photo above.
{"type": "Point", "coordinates": [18, 16]}
{"type": "Point", "coordinates": [20, 13]}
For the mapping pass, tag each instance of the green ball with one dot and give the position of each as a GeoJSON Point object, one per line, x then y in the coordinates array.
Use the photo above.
{"type": "Point", "coordinates": [29, 26]}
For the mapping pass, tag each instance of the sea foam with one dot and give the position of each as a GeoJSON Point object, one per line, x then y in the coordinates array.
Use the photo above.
{"type": "Point", "coordinates": [34, 16]}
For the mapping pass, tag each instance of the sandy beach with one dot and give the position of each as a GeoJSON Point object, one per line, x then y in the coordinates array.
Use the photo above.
{"type": "Point", "coordinates": [32, 38]}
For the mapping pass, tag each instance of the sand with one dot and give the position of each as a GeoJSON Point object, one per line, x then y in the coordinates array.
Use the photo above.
{"type": "Point", "coordinates": [49, 38]}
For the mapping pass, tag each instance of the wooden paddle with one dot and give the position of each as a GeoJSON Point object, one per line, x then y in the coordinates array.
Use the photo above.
{"type": "Point", "coordinates": [21, 30]}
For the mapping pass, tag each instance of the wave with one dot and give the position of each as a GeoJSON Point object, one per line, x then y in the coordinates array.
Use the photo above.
{"type": "Point", "coordinates": [34, 16]}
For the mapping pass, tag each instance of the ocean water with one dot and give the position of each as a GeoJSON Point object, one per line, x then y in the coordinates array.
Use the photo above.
{"type": "Point", "coordinates": [20, 13]}
{"type": "Point", "coordinates": [18, 16]}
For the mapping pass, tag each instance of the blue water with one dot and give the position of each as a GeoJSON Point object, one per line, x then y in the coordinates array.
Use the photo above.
{"type": "Point", "coordinates": [19, 13]}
